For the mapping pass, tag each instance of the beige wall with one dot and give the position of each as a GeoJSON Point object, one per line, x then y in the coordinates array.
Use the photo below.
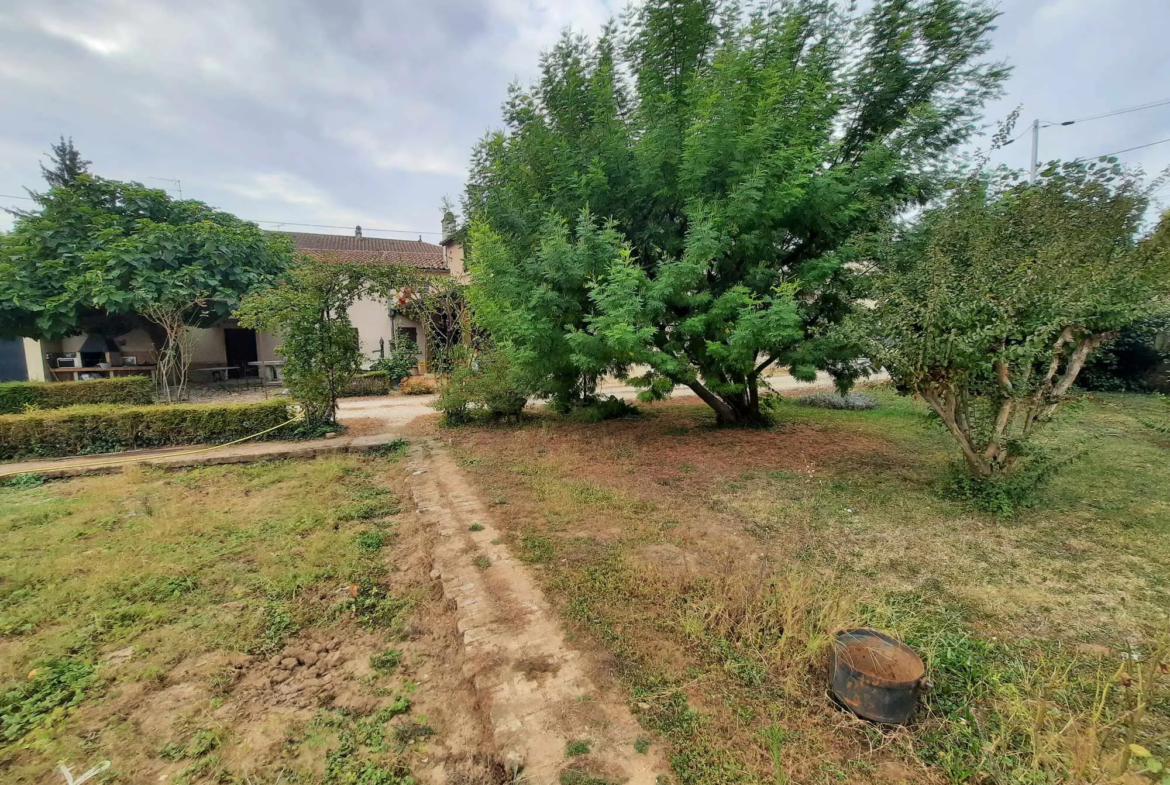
{"type": "Point", "coordinates": [371, 317]}
{"type": "Point", "coordinates": [453, 254]}
{"type": "Point", "coordinates": [34, 360]}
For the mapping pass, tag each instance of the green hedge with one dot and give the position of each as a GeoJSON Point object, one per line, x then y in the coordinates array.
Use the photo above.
{"type": "Point", "coordinates": [85, 430]}
{"type": "Point", "coordinates": [371, 383]}
{"type": "Point", "coordinates": [131, 390]}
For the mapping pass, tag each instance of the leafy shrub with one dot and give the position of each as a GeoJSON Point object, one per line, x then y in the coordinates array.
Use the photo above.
{"type": "Point", "coordinates": [835, 400]}
{"type": "Point", "coordinates": [369, 383]}
{"type": "Point", "coordinates": [608, 408]}
{"type": "Point", "coordinates": [417, 385]}
{"type": "Point", "coordinates": [1006, 494]}
{"type": "Point", "coordinates": [401, 362]}
{"type": "Point", "coordinates": [85, 430]}
{"type": "Point", "coordinates": [486, 388]}
{"type": "Point", "coordinates": [1138, 360]}
{"type": "Point", "coordinates": [15, 397]}
{"type": "Point", "coordinates": [55, 687]}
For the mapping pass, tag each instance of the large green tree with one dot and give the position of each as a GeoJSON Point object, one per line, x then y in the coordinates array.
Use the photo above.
{"type": "Point", "coordinates": [679, 194]}
{"type": "Point", "coordinates": [989, 306]}
{"type": "Point", "coordinates": [97, 253]}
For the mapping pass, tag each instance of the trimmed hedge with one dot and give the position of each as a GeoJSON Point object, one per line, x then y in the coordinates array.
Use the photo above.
{"type": "Point", "coordinates": [130, 390]}
{"type": "Point", "coordinates": [86, 430]}
{"type": "Point", "coordinates": [370, 383]}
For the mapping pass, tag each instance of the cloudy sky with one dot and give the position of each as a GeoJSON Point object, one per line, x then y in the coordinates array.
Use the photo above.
{"type": "Point", "coordinates": [342, 112]}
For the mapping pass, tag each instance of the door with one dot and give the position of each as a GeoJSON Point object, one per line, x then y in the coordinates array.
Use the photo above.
{"type": "Point", "coordinates": [12, 367]}
{"type": "Point", "coordinates": [240, 344]}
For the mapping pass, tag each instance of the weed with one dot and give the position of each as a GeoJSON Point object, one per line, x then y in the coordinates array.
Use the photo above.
{"type": "Point", "coordinates": [53, 689]}
{"type": "Point", "coordinates": [23, 481]}
{"type": "Point", "coordinates": [386, 661]}
{"type": "Point", "coordinates": [574, 777]}
{"type": "Point", "coordinates": [609, 408]}
{"type": "Point", "coordinates": [537, 548]}
{"type": "Point", "coordinates": [641, 745]}
{"type": "Point", "coordinates": [370, 541]}
{"type": "Point", "coordinates": [375, 607]}
{"type": "Point", "coordinates": [482, 562]}
{"type": "Point", "coordinates": [578, 747]}
{"type": "Point", "coordinates": [412, 732]}
{"type": "Point", "coordinates": [773, 736]}
{"type": "Point", "coordinates": [278, 626]}
{"type": "Point", "coordinates": [395, 450]}
{"type": "Point", "coordinates": [475, 527]}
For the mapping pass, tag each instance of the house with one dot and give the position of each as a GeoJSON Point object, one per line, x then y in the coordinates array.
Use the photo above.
{"type": "Point", "coordinates": [225, 345]}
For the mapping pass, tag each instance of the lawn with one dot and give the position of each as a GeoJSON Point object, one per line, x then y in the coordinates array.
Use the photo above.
{"type": "Point", "coordinates": [709, 566]}
{"type": "Point", "coordinates": [267, 623]}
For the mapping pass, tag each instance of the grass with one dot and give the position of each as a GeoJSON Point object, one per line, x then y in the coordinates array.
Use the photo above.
{"type": "Point", "coordinates": [124, 603]}
{"type": "Point", "coordinates": [713, 565]}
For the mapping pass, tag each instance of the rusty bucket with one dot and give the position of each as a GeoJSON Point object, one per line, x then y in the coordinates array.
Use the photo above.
{"type": "Point", "coordinates": [875, 676]}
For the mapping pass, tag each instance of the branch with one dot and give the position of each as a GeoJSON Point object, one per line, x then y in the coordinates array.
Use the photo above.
{"type": "Point", "coordinates": [760, 368]}
{"type": "Point", "coordinates": [945, 408]}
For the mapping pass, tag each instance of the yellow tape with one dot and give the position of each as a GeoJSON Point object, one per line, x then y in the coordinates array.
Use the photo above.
{"type": "Point", "coordinates": [136, 459]}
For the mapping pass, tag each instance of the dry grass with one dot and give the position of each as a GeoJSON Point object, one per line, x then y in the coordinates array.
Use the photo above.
{"type": "Point", "coordinates": [711, 565]}
{"type": "Point", "coordinates": [164, 601]}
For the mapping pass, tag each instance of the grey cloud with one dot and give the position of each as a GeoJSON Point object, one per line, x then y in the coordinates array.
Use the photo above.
{"type": "Point", "coordinates": [362, 111]}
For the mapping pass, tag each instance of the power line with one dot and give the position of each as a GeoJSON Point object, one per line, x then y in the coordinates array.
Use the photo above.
{"type": "Point", "coordinates": [1126, 150]}
{"type": "Point", "coordinates": [10, 196]}
{"type": "Point", "coordinates": [1150, 105]}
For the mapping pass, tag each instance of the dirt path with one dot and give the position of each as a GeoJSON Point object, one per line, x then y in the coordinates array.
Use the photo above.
{"type": "Point", "coordinates": [538, 693]}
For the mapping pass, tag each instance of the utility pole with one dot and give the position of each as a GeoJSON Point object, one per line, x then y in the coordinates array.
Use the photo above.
{"type": "Point", "coordinates": [1035, 149]}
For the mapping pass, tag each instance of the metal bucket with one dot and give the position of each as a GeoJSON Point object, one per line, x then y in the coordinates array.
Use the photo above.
{"type": "Point", "coordinates": [875, 676]}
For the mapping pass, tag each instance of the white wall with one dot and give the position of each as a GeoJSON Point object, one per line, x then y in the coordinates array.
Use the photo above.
{"type": "Point", "coordinates": [34, 360]}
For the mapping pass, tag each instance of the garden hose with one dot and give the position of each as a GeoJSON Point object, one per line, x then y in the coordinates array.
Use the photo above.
{"type": "Point", "coordinates": [120, 461]}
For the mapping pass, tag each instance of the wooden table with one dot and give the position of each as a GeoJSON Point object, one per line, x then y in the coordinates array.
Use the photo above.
{"type": "Point", "coordinates": [111, 372]}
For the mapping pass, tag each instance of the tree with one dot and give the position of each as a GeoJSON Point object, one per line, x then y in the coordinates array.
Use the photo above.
{"type": "Point", "coordinates": [989, 306]}
{"type": "Point", "coordinates": [99, 252]}
{"type": "Point", "coordinates": [67, 164]}
{"type": "Point", "coordinates": [309, 309]}
{"type": "Point", "coordinates": [679, 195]}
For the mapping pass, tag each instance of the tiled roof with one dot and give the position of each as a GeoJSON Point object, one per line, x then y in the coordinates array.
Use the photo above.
{"type": "Point", "coordinates": [369, 250]}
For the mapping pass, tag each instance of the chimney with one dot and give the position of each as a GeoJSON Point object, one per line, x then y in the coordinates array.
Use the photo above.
{"type": "Point", "coordinates": [448, 225]}
{"type": "Point", "coordinates": [357, 231]}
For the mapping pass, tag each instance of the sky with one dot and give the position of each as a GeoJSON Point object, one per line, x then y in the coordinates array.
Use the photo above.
{"type": "Point", "coordinates": [344, 112]}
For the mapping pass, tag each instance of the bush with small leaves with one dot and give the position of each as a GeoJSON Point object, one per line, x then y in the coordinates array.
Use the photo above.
{"type": "Point", "coordinates": [834, 400]}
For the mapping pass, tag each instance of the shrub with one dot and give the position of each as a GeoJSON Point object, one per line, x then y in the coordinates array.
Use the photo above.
{"type": "Point", "coordinates": [834, 400]}
{"type": "Point", "coordinates": [132, 390]}
{"type": "Point", "coordinates": [370, 383]}
{"type": "Point", "coordinates": [417, 385]}
{"type": "Point", "coordinates": [608, 408]}
{"type": "Point", "coordinates": [85, 430]}
{"type": "Point", "coordinates": [401, 362]}
{"type": "Point", "coordinates": [487, 388]}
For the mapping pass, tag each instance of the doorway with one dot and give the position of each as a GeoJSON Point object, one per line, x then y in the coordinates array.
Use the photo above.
{"type": "Point", "coordinates": [240, 346]}
{"type": "Point", "coordinates": [12, 367]}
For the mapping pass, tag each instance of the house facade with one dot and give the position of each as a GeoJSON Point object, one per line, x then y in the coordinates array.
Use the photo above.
{"type": "Point", "coordinates": [230, 351]}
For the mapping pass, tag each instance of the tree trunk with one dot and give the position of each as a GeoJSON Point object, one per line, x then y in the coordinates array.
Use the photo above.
{"type": "Point", "coordinates": [733, 410]}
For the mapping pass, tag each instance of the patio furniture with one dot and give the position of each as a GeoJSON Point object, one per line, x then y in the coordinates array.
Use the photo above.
{"type": "Point", "coordinates": [270, 370]}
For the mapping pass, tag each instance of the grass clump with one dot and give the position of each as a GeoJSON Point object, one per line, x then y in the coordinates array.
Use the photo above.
{"type": "Point", "coordinates": [475, 527]}
{"type": "Point", "coordinates": [578, 747]}
{"type": "Point", "coordinates": [852, 401]}
{"type": "Point", "coordinates": [370, 541]}
{"type": "Point", "coordinates": [394, 450]}
{"type": "Point", "coordinates": [482, 562]}
{"type": "Point", "coordinates": [386, 661]}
